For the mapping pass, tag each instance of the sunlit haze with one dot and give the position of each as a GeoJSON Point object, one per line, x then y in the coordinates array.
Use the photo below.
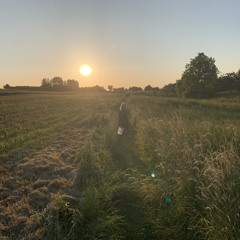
{"type": "Point", "coordinates": [126, 43]}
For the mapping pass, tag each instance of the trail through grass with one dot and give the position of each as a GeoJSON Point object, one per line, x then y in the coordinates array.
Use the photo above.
{"type": "Point", "coordinates": [129, 199]}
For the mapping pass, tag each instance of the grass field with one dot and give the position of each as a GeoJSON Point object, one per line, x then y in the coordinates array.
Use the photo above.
{"type": "Point", "coordinates": [66, 174]}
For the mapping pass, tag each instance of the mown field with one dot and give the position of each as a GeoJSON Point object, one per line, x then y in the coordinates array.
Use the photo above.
{"type": "Point", "coordinates": [66, 174]}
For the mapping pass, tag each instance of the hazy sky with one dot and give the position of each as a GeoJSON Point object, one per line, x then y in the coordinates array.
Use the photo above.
{"type": "Point", "coordinates": [126, 42]}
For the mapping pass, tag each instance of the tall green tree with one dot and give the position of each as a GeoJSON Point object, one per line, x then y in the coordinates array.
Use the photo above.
{"type": "Point", "coordinates": [199, 78]}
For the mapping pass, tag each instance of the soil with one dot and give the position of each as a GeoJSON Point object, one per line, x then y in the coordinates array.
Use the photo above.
{"type": "Point", "coordinates": [28, 180]}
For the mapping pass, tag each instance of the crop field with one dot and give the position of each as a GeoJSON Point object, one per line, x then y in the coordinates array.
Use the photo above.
{"type": "Point", "coordinates": [66, 174]}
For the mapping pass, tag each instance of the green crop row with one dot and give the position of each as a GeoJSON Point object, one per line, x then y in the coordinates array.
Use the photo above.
{"type": "Point", "coordinates": [30, 122]}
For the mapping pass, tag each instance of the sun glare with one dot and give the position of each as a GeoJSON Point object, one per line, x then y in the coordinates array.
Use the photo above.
{"type": "Point", "coordinates": [85, 70]}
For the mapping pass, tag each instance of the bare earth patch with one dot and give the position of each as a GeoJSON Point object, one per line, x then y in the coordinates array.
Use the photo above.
{"type": "Point", "coordinates": [26, 184]}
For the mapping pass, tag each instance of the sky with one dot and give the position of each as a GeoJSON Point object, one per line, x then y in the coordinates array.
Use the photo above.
{"type": "Point", "coordinates": [126, 42]}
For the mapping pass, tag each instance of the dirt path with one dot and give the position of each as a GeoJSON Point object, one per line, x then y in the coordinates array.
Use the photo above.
{"type": "Point", "coordinates": [26, 185]}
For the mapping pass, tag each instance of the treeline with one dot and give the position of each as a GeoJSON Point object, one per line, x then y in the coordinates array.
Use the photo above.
{"type": "Point", "coordinates": [200, 79]}
{"type": "Point", "coordinates": [169, 89]}
{"type": "Point", "coordinates": [229, 82]}
{"type": "Point", "coordinates": [58, 84]}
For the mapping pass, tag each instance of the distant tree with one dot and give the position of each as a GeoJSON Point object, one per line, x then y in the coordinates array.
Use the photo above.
{"type": "Point", "coordinates": [99, 88]}
{"type": "Point", "coordinates": [92, 89]}
{"type": "Point", "coordinates": [170, 88]}
{"type": "Point", "coordinates": [119, 90]}
{"type": "Point", "coordinates": [72, 84]}
{"type": "Point", "coordinates": [199, 78]}
{"type": "Point", "coordinates": [46, 85]}
{"type": "Point", "coordinates": [226, 82]}
{"type": "Point", "coordinates": [110, 87]}
{"type": "Point", "coordinates": [57, 83]}
{"type": "Point", "coordinates": [148, 88]}
{"type": "Point", "coordinates": [237, 80]}
{"type": "Point", "coordinates": [7, 86]}
{"type": "Point", "coordinates": [135, 89]}
{"type": "Point", "coordinates": [179, 88]}
{"type": "Point", "coordinates": [156, 89]}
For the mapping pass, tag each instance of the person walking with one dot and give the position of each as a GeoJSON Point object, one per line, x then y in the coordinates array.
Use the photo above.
{"type": "Point", "coordinates": [123, 119]}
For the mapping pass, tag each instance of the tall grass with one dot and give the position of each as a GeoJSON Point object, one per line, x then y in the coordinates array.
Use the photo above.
{"type": "Point", "coordinates": [92, 218]}
{"type": "Point", "coordinates": [196, 162]}
{"type": "Point", "coordinates": [173, 175]}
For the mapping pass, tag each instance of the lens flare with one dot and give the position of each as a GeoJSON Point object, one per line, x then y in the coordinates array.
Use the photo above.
{"type": "Point", "coordinates": [168, 201]}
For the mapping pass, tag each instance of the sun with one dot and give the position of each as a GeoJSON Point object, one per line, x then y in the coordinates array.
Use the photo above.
{"type": "Point", "coordinates": [85, 70]}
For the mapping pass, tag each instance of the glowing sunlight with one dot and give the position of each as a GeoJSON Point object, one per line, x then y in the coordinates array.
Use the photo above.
{"type": "Point", "coordinates": [85, 70]}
